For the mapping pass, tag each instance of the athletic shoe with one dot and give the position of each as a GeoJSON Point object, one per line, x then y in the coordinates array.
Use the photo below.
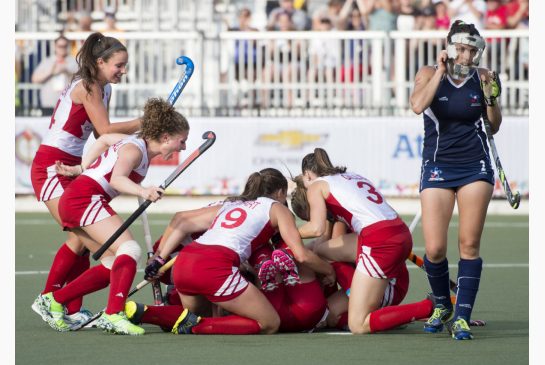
{"type": "Point", "coordinates": [185, 323]}
{"type": "Point", "coordinates": [118, 324]}
{"type": "Point", "coordinates": [285, 265]}
{"type": "Point", "coordinates": [39, 306]}
{"type": "Point", "coordinates": [135, 311]}
{"type": "Point", "coordinates": [51, 311]}
{"type": "Point", "coordinates": [439, 317]}
{"type": "Point", "coordinates": [267, 275]}
{"type": "Point", "coordinates": [459, 330]}
{"type": "Point", "coordinates": [76, 320]}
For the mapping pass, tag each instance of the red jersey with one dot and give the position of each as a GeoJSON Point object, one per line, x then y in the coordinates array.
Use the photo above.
{"type": "Point", "coordinates": [101, 169]}
{"type": "Point", "coordinates": [70, 125]}
{"type": "Point", "coordinates": [355, 201]}
{"type": "Point", "coordinates": [241, 226]}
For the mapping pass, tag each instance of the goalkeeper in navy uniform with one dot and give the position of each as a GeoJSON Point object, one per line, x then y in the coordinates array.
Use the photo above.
{"type": "Point", "coordinates": [456, 167]}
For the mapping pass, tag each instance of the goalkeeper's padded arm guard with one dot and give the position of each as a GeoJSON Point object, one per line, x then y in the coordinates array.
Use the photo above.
{"type": "Point", "coordinates": [495, 89]}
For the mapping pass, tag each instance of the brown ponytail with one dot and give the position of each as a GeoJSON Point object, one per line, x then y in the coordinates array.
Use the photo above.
{"type": "Point", "coordinates": [263, 183]}
{"type": "Point", "coordinates": [299, 202]}
{"type": "Point", "coordinates": [319, 163]}
{"type": "Point", "coordinates": [95, 46]}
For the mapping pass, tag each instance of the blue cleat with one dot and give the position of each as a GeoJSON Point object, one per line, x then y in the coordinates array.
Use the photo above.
{"type": "Point", "coordinates": [439, 317]}
{"type": "Point", "coordinates": [459, 329]}
{"type": "Point", "coordinates": [185, 323]}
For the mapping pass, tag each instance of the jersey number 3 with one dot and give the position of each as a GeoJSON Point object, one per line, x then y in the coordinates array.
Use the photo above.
{"type": "Point", "coordinates": [373, 194]}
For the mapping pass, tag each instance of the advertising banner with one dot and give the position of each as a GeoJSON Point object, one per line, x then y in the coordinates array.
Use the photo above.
{"type": "Point", "coordinates": [387, 150]}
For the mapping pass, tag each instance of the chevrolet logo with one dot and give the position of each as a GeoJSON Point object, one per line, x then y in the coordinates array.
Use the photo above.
{"type": "Point", "coordinates": [293, 139]}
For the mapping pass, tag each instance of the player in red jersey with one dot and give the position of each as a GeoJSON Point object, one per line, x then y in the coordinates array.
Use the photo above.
{"type": "Point", "coordinates": [84, 209]}
{"type": "Point", "coordinates": [336, 315]}
{"type": "Point", "coordinates": [81, 109]}
{"type": "Point", "coordinates": [300, 307]}
{"type": "Point", "coordinates": [381, 238]}
{"type": "Point", "coordinates": [207, 270]}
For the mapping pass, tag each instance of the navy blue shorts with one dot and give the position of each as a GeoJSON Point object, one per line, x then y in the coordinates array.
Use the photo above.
{"type": "Point", "coordinates": [445, 175]}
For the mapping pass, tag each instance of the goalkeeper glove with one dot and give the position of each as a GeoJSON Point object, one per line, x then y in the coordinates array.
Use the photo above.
{"type": "Point", "coordinates": [491, 89]}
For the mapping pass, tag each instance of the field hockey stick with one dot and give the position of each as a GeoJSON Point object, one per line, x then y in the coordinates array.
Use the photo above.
{"type": "Point", "coordinates": [139, 286]}
{"type": "Point", "coordinates": [419, 261]}
{"type": "Point", "coordinates": [210, 138]}
{"type": "Point", "coordinates": [155, 285]}
{"type": "Point", "coordinates": [415, 221]}
{"type": "Point", "coordinates": [182, 82]}
{"type": "Point", "coordinates": [513, 199]}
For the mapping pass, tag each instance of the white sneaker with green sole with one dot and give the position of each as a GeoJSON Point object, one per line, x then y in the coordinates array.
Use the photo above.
{"type": "Point", "coordinates": [118, 324]}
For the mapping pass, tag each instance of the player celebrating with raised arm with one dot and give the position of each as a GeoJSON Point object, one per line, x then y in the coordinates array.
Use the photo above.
{"type": "Point", "coordinates": [456, 167]}
{"type": "Point", "coordinates": [84, 209]}
{"type": "Point", "coordinates": [381, 238]}
{"type": "Point", "coordinates": [81, 108]}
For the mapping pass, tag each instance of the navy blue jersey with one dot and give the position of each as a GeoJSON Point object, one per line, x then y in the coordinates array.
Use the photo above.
{"type": "Point", "coordinates": [453, 130]}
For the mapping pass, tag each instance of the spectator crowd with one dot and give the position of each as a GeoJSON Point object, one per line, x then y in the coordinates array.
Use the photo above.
{"type": "Point", "coordinates": [56, 65]}
{"type": "Point", "coordinates": [403, 15]}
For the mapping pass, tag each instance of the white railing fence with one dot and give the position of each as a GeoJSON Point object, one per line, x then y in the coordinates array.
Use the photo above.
{"type": "Point", "coordinates": [285, 73]}
{"type": "Point", "coordinates": [131, 15]}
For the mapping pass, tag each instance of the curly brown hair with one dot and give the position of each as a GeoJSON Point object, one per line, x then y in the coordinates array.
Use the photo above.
{"type": "Point", "coordinates": [159, 118]}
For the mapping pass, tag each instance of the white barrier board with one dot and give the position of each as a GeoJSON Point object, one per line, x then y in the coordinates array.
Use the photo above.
{"type": "Point", "coordinates": [387, 150]}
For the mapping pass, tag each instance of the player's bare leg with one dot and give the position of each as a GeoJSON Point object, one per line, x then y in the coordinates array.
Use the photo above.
{"type": "Point", "coordinates": [473, 200]}
{"type": "Point", "coordinates": [437, 206]}
{"type": "Point", "coordinates": [366, 294]}
{"type": "Point", "coordinates": [342, 249]}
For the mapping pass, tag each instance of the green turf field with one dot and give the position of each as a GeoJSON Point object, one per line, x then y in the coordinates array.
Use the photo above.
{"type": "Point", "coordinates": [502, 302]}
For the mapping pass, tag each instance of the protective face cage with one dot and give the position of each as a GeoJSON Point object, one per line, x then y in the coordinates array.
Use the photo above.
{"type": "Point", "coordinates": [456, 70]}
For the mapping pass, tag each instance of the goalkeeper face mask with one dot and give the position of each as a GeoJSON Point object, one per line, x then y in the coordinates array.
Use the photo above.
{"type": "Point", "coordinates": [457, 70]}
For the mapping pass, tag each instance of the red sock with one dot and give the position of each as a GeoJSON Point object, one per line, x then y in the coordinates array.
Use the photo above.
{"type": "Point", "coordinates": [342, 323]}
{"type": "Point", "coordinates": [96, 278]}
{"type": "Point", "coordinates": [390, 317]}
{"type": "Point", "coordinates": [228, 325]}
{"type": "Point", "coordinates": [82, 264]}
{"type": "Point", "coordinates": [162, 315]}
{"type": "Point", "coordinates": [344, 272]}
{"type": "Point", "coordinates": [121, 277]}
{"type": "Point", "coordinates": [63, 262]}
